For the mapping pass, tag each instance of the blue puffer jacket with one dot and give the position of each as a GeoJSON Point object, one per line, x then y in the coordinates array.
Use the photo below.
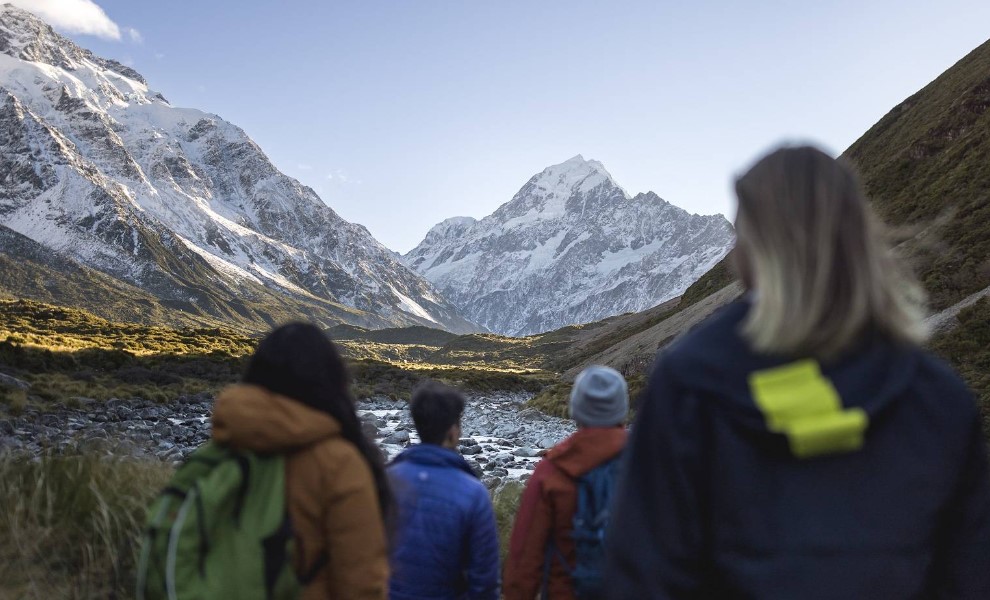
{"type": "Point", "coordinates": [749, 476]}
{"type": "Point", "coordinates": [446, 545]}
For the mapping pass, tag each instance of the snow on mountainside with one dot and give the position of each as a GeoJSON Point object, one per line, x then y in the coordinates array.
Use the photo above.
{"type": "Point", "coordinates": [570, 247]}
{"type": "Point", "coordinates": [179, 202]}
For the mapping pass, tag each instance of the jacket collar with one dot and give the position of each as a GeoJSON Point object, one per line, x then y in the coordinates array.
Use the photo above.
{"type": "Point", "coordinates": [587, 448]}
{"type": "Point", "coordinates": [252, 418]}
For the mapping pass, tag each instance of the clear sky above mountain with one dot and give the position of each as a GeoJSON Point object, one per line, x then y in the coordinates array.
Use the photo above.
{"type": "Point", "coordinates": [401, 114]}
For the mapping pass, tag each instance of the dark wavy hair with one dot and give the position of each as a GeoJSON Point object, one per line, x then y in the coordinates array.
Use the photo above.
{"type": "Point", "coordinates": [299, 361]}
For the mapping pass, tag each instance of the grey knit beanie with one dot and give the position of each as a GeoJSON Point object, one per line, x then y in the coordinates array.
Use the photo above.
{"type": "Point", "coordinates": [600, 397]}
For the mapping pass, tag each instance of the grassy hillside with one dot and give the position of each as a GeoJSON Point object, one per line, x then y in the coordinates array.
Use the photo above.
{"type": "Point", "coordinates": [926, 168]}
{"type": "Point", "coordinates": [66, 354]}
{"type": "Point", "coordinates": [929, 157]}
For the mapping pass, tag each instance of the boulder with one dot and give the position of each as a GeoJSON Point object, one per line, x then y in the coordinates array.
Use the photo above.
{"type": "Point", "coordinates": [13, 382]}
{"type": "Point", "coordinates": [530, 415]}
{"type": "Point", "coordinates": [369, 429]}
{"type": "Point", "coordinates": [398, 437]}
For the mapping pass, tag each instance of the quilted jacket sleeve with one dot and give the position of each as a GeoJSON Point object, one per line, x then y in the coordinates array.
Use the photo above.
{"type": "Point", "coordinates": [483, 571]}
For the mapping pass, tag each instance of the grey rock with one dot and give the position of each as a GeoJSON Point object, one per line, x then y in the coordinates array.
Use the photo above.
{"type": "Point", "coordinates": [530, 415]}
{"type": "Point", "coordinates": [11, 381]}
{"type": "Point", "coordinates": [399, 437]}
{"type": "Point", "coordinates": [369, 429]}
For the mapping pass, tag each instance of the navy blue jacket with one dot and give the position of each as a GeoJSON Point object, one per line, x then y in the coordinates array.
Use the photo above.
{"type": "Point", "coordinates": [883, 494]}
{"type": "Point", "coordinates": [446, 544]}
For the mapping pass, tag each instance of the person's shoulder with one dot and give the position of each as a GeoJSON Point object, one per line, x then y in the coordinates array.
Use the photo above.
{"type": "Point", "coordinates": [467, 481]}
{"type": "Point", "coordinates": [935, 374]}
{"type": "Point", "coordinates": [340, 459]}
{"type": "Point", "coordinates": [719, 327]}
{"type": "Point", "coordinates": [716, 340]}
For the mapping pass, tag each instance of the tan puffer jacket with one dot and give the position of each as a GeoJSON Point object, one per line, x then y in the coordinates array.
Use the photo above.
{"type": "Point", "coordinates": [330, 491]}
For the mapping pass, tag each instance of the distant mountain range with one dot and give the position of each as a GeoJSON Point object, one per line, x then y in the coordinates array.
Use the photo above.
{"type": "Point", "coordinates": [116, 201]}
{"type": "Point", "coordinates": [570, 247]}
{"type": "Point", "coordinates": [180, 204]}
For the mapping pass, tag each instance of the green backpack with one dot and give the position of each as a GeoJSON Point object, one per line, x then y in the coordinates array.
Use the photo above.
{"type": "Point", "coordinates": [220, 530]}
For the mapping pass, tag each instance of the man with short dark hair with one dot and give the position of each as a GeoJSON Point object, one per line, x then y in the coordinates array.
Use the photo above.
{"type": "Point", "coordinates": [445, 543]}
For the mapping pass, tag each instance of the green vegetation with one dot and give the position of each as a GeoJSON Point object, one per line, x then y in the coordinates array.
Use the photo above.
{"type": "Point", "coordinates": [414, 335]}
{"type": "Point", "coordinates": [67, 353]}
{"type": "Point", "coordinates": [927, 164]}
{"type": "Point", "coordinates": [374, 378]}
{"type": "Point", "coordinates": [505, 501]}
{"type": "Point", "coordinates": [967, 347]}
{"type": "Point", "coordinates": [70, 524]}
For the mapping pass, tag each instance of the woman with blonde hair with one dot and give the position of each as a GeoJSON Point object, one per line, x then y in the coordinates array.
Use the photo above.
{"type": "Point", "coordinates": [801, 443]}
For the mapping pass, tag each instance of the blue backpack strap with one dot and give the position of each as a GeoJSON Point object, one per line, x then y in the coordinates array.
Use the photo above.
{"type": "Point", "coordinates": [551, 552]}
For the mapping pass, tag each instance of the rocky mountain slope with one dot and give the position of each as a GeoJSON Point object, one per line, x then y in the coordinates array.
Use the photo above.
{"type": "Point", "coordinates": [570, 247]}
{"type": "Point", "coordinates": [926, 168]}
{"type": "Point", "coordinates": [104, 172]}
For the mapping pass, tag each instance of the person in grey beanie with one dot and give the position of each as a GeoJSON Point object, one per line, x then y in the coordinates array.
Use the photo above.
{"type": "Point", "coordinates": [542, 551]}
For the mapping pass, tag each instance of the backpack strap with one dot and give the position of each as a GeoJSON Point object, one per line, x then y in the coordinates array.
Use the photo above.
{"type": "Point", "coordinates": [552, 552]}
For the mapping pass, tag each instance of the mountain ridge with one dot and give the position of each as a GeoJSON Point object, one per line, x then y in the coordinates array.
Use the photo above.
{"type": "Point", "coordinates": [177, 201]}
{"type": "Point", "coordinates": [571, 246]}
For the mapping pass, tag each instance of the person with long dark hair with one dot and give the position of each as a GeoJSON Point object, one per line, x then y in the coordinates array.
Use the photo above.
{"type": "Point", "coordinates": [801, 443]}
{"type": "Point", "coordinates": [295, 399]}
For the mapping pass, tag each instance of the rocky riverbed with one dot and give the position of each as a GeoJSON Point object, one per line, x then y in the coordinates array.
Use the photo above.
{"type": "Point", "coordinates": [502, 438]}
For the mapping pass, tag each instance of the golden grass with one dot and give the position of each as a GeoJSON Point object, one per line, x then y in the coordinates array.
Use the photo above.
{"type": "Point", "coordinates": [70, 525]}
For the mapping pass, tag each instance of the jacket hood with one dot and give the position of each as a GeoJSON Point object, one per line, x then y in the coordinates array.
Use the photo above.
{"type": "Point", "coordinates": [816, 407]}
{"type": "Point", "coordinates": [252, 418]}
{"type": "Point", "coordinates": [434, 456]}
{"type": "Point", "coordinates": [587, 448]}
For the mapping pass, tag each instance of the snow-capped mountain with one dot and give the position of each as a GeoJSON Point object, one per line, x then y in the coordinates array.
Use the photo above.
{"type": "Point", "coordinates": [101, 169]}
{"type": "Point", "coordinates": [570, 247]}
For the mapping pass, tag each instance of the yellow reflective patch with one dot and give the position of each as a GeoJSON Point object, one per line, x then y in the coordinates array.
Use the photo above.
{"type": "Point", "coordinates": [800, 402]}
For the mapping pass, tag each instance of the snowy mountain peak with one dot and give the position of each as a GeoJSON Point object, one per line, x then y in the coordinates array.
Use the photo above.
{"type": "Point", "coordinates": [178, 202]}
{"type": "Point", "coordinates": [570, 247]}
{"type": "Point", "coordinates": [574, 185]}
{"type": "Point", "coordinates": [574, 173]}
{"type": "Point", "coordinates": [25, 36]}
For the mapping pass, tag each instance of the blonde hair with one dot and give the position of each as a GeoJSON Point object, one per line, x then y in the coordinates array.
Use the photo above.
{"type": "Point", "coordinates": [815, 257]}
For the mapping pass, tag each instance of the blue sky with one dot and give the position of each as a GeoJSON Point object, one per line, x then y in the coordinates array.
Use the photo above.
{"type": "Point", "coordinates": [403, 113]}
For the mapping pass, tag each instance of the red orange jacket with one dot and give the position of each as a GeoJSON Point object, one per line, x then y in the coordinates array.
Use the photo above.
{"type": "Point", "coordinates": [547, 509]}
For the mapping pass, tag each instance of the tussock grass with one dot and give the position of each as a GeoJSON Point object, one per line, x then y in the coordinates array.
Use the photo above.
{"type": "Point", "coordinates": [967, 347]}
{"type": "Point", "coordinates": [70, 525]}
{"type": "Point", "coordinates": [505, 501]}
